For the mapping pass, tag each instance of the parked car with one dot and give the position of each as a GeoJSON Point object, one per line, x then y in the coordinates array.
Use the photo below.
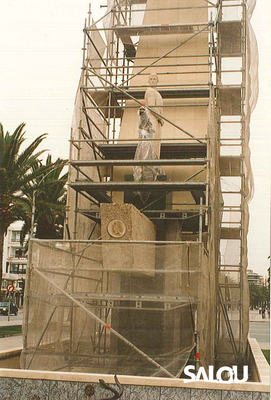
{"type": "Point", "coordinates": [4, 308]}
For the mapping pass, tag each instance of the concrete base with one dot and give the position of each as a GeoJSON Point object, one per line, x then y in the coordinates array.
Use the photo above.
{"type": "Point", "coordinates": [24, 385]}
{"type": "Point", "coordinates": [258, 363]}
{"type": "Point", "coordinates": [125, 222]}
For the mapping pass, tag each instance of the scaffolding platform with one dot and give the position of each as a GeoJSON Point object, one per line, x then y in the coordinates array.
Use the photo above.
{"type": "Point", "coordinates": [165, 93]}
{"type": "Point", "coordinates": [230, 233]}
{"type": "Point", "coordinates": [98, 190]}
{"type": "Point", "coordinates": [132, 162]}
{"type": "Point", "coordinates": [230, 35]}
{"type": "Point", "coordinates": [230, 100]}
{"type": "Point", "coordinates": [168, 150]}
{"type": "Point", "coordinates": [138, 186]}
{"type": "Point", "coordinates": [230, 165]}
{"type": "Point", "coordinates": [101, 97]}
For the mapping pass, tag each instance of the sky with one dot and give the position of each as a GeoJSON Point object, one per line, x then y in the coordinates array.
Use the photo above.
{"type": "Point", "coordinates": [41, 57]}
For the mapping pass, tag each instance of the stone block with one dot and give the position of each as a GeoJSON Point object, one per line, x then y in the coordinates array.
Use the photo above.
{"type": "Point", "coordinates": [126, 222]}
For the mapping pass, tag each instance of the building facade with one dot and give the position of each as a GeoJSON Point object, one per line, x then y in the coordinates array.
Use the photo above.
{"type": "Point", "coordinates": [14, 263]}
{"type": "Point", "coordinates": [255, 278]}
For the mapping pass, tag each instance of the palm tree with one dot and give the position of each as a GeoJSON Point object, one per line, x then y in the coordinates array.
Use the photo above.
{"type": "Point", "coordinates": [16, 171]}
{"type": "Point", "coordinates": [49, 192]}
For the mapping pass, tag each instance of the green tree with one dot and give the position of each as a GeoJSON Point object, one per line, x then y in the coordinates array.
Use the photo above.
{"type": "Point", "coordinates": [16, 171]}
{"type": "Point", "coordinates": [258, 295]}
{"type": "Point", "coordinates": [49, 193]}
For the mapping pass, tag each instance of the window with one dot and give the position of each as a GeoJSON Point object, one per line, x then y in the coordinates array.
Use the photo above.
{"type": "Point", "coordinates": [17, 269]}
{"type": "Point", "coordinates": [15, 236]}
{"type": "Point", "coordinates": [14, 268]}
{"type": "Point", "coordinates": [22, 269]}
{"type": "Point", "coordinates": [18, 253]}
{"type": "Point", "coordinates": [21, 284]}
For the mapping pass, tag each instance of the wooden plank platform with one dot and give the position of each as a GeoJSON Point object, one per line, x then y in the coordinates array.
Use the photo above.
{"type": "Point", "coordinates": [230, 233]}
{"type": "Point", "coordinates": [132, 162]}
{"type": "Point", "coordinates": [230, 100]}
{"type": "Point", "coordinates": [230, 165]}
{"type": "Point", "coordinates": [99, 190]}
{"type": "Point", "coordinates": [89, 187]}
{"type": "Point", "coordinates": [230, 38]}
{"type": "Point", "coordinates": [168, 151]}
{"type": "Point", "coordinates": [165, 93]}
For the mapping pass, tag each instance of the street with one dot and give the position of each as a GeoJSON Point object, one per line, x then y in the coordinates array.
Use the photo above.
{"type": "Point", "coordinates": [13, 319]}
{"type": "Point", "coordinates": [261, 332]}
{"type": "Point", "coordinates": [259, 329]}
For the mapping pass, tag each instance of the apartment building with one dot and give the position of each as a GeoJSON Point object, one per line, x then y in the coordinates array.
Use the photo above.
{"type": "Point", "coordinates": [14, 263]}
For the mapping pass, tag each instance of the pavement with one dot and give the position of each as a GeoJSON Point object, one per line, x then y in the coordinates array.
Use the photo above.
{"type": "Point", "coordinates": [13, 319]}
{"type": "Point", "coordinates": [10, 343]}
{"type": "Point", "coordinates": [254, 316]}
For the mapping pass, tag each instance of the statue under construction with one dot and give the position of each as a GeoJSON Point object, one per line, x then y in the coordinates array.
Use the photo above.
{"type": "Point", "coordinates": [151, 275]}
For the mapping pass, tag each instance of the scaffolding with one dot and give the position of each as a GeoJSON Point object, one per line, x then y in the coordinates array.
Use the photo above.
{"type": "Point", "coordinates": [200, 217]}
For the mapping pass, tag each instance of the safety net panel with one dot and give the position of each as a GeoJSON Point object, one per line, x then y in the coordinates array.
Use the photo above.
{"type": "Point", "coordinates": [113, 307]}
{"type": "Point", "coordinates": [238, 48]}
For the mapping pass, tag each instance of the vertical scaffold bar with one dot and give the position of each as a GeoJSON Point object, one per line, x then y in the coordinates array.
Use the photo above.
{"type": "Point", "coordinates": [200, 220]}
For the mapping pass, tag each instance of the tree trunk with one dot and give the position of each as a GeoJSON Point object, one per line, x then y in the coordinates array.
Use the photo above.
{"type": "Point", "coordinates": [2, 236]}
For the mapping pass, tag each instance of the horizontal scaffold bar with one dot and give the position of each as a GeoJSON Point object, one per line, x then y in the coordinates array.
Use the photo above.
{"type": "Point", "coordinates": [100, 163]}
{"type": "Point", "coordinates": [229, 285]}
{"type": "Point", "coordinates": [141, 30]}
{"type": "Point", "coordinates": [154, 58]}
{"type": "Point", "coordinates": [117, 140]}
{"type": "Point", "coordinates": [132, 2]}
{"type": "Point", "coordinates": [189, 218]}
{"type": "Point", "coordinates": [70, 271]}
{"type": "Point", "coordinates": [158, 87]}
{"type": "Point", "coordinates": [46, 242]}
{"type": "Point", "coordinates": [124, 107]}
{"type": "Point", "coordinates": [165, 93]}
{"type": "Point", "coordinates": [109, 67]}
{"type": "Point", "coordinates": [130, 297]}
{"type": "Point", "coordinates": [137, 186]}
{"type": "Point", "coordinates": [191, 72]}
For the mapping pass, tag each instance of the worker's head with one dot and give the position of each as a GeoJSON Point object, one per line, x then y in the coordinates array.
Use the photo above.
{"type": "Point", "coordinates": [153, 79]}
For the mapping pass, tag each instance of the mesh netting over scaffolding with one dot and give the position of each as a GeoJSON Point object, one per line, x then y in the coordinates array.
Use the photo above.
{"type": "Point", "coordinates": [89, 307]}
